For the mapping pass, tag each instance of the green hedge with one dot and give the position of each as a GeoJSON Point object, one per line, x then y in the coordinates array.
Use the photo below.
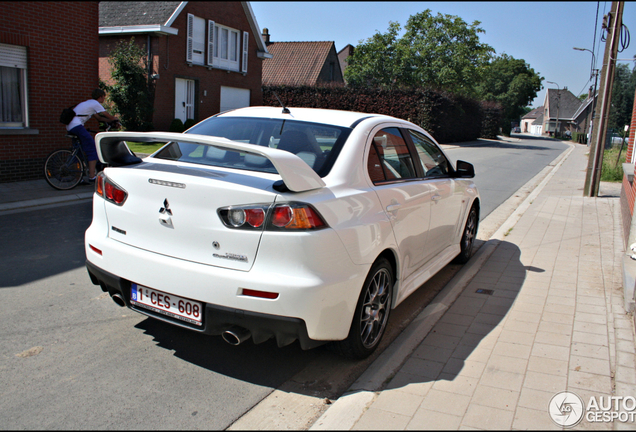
{"type": "Point", "coordinates": [448, 117]}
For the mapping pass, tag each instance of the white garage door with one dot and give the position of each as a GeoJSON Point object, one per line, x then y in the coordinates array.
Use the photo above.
{"type": "Point", "coordinates": [232, 98]}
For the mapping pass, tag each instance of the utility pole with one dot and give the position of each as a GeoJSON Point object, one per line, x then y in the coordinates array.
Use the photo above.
{"type": "Point", "coordinates": [613, 21]}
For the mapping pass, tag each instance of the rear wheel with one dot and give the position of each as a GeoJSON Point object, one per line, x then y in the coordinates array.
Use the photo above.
{"type": "Point", "coordinates": [468, 237]}
{"type": "Point", "coordinates": [63, 170]}
{"type": "Point", "coordinates": [372, 313]}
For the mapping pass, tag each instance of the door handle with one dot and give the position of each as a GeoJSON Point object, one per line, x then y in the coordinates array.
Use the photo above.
{"type": "Point", "coordinates": [436, 197]}
{"type": "Point", "coordinates": [393, 207]}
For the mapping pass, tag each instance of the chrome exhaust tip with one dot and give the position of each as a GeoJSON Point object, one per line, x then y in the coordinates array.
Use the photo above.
{"type": "Point", "coordinates": [119, 300]}
{"type": "Point", "coordinates": [236, 335]}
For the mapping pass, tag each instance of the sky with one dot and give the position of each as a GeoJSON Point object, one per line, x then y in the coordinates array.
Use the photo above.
{"type": "Point", "coordinates": [541, 33]}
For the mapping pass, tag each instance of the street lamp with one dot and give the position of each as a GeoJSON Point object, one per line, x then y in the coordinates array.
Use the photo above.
{"type": "Point", "coordinates": [594, 73]}
{"type": "Point", "coordinates": [558, 100]}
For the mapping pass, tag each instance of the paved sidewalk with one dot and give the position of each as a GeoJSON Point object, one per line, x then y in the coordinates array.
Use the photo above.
{"type": "Point", "coordinates": [35, 193]}
{"type": "Point", "coordinates": [544, 314]}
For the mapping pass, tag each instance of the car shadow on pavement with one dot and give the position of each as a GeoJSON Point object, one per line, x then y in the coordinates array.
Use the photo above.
{"type": "Point", "coordinates": [468, 343]}
{"type": "Point", "coordinates": [321, 373]}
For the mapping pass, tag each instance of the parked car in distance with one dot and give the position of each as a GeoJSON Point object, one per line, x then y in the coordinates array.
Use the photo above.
{"type": "Point", "coordinates": [294, 224]}
{"type": "Point", "coordinates": [516, 129]}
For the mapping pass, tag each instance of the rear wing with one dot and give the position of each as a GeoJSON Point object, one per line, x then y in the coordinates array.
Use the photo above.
{"type": "Point", "coordinates": [296, 174]}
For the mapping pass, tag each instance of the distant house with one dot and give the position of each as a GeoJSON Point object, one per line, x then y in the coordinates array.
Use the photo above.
{"type": "Point", "coordinates": [300, 63]}
{"type": "Point", "coordinates": [204, 57]}
{"type": "Point", "coordinates": [583, 116]}
{"type": "Point", "coordinates": [561, 107]}
{"type": "Point", "coordinates": [48, 61]}
{"type": "Point", "coordinates": [528, 122]}
{"type": "Point", "coordinates": [343, 54]}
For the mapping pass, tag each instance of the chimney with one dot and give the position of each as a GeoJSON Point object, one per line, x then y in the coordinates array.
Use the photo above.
{"type": "Point", "coordinates": [265, 36]}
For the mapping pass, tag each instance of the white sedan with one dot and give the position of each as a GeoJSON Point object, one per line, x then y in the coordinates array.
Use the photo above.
{"type": "Point", "coordinates": [297, 224]}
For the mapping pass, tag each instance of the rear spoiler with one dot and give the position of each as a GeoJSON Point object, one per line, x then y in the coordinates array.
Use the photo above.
{"type": "Point", "coordinates": [296, 174]}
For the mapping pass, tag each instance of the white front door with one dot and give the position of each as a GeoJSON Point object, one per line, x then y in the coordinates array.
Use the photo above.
{"type": "Point", "coordinates": [184, 99]}
{"type": "Point", "coordinates": [233, 98]}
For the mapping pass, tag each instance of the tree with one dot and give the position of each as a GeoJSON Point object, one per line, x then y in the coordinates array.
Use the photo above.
{"type": "Point", "coordinates": [512, 83]}
{"type": "Point", "coordinates": [622, 97]}
{"type": "Point", "coordinates": [132, 95]}
{"type": "Point", "coordinates": [442, 52]}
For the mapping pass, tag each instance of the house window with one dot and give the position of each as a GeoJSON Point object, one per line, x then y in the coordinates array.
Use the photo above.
{"type": "Point", "coordinates": [227, 43]}
{"type": "Point", "coordinates": [224, 48]}
{"type": "Point", "coordinates": [13, 67]}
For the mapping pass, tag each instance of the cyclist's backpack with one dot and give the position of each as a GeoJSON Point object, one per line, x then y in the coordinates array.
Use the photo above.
{"type": "Point", "coordinates": [67, 115]}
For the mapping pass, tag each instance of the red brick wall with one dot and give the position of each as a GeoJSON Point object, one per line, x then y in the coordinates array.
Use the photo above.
{"type": "Point", "coordinates": [169, 61]}
{"type": "Point", "coordinates": [628, 190]}
{"type": "Point", "coordinates": [62, 46]}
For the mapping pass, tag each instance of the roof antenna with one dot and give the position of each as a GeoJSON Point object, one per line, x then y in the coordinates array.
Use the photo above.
{"type": "Point", "coordinates": [285, 109]}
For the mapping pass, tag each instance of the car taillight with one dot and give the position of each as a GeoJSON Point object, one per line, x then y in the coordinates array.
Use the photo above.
{"type": "Point", "coordinates": [109, 190]}
{"type": "Point", "coordinates": [290, 216]}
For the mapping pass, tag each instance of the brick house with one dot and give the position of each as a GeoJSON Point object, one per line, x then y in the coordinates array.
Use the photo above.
{"type": "Point", "coordinates": [301, 63]}
{"type": "Point", "coordinates": [48, 54]}
{"type": "Point", "coordinates": [560, 106]}
{"type": "Point", "coordinates": [205, 57]}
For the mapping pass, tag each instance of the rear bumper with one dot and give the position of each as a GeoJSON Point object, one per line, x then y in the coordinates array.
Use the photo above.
{"type": "Point", "coordinates": [216, 318]}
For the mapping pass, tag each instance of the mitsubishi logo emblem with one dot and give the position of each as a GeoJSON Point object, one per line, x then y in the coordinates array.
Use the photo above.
{"type": "Point", "coordinates": [166, 208]}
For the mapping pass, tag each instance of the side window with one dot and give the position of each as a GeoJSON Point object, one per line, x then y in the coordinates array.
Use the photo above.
{"type": "Point", "coordinates": [389, 157]}
{"type": "Point", "coordinates": [433, 161]}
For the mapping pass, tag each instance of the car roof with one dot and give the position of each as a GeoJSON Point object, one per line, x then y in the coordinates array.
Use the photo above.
{"type": "Point", "coordinates": [316, 115]}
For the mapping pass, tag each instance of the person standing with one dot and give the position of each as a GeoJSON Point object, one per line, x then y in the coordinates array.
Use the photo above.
{"type": "Point", "coordinates": [83, 112]}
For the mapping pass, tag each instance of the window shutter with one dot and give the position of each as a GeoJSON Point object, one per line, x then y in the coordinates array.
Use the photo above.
{"type": "Point", "coordinates": [13, 56]}
{"type": "Point", "coordinates": [190, 39]}
{"type": "Point", "coordinates": [210, 43]}
{"type": "Point", "coordinates": [246, 38]}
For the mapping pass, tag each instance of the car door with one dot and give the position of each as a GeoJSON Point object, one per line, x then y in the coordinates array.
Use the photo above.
{"type": "Point", "coordinates": [446, 198]}
{"type": "Point", "coordinates": [405, 197]}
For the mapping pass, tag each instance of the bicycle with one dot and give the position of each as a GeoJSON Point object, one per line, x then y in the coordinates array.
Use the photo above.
{"type": "Point", "coordinates": [65, 168]}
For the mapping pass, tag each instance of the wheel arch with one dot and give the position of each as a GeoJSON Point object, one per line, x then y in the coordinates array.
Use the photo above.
{"type": "Point", "coordinates": [391, 256]}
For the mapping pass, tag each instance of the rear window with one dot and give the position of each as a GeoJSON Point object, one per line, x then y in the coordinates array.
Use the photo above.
{"type": "Point", "coordinates": [316, 144]}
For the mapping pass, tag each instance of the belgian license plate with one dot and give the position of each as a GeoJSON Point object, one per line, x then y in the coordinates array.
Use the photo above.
{"type": "Point", "coordinates": [167, 304]}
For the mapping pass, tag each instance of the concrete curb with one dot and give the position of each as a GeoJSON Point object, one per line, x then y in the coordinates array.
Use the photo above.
{"type": "Point", "coordinates": [347, 410]}
{"type": "Point", "coordinates": [45, 201]}
{"type": "Point", "coordinates": [344, 413]}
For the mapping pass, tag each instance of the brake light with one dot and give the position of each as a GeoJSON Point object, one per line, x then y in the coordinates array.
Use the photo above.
{"type": "Point", "coordinates": [109, 190]}
{"type": "Point", "coordinates": [290, 216]}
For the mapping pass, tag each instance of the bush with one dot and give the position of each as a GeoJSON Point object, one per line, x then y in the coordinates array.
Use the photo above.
{"type": "Point", "coordinates": [132, 95]}
{"type": "Point", "coordinates": [189, 123]}
{"type": "Point", "coordinates": [448, 117]}
{"type": "Point", "coordinates": [176, 126]}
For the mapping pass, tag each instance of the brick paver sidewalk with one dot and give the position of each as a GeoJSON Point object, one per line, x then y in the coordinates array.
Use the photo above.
{"type": "Point", "coordinates": [544, 315]}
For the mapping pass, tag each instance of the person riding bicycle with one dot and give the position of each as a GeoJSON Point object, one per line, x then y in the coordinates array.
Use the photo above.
{"type": "Point", "coordinates": [83, 112]}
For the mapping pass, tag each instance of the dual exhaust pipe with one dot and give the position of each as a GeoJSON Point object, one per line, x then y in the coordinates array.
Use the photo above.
{"type": "Point", "coordinates": [235, 335]}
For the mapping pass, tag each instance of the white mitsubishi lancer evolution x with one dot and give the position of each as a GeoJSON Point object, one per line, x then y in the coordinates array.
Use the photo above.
{"type": "Point", "coordinates": [294, 224]}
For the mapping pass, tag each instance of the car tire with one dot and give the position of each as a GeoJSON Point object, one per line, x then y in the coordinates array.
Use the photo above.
{"type": "Point", "coordinates": [468, 237]}
{"type": "Point", "coordinates": [371, 314]}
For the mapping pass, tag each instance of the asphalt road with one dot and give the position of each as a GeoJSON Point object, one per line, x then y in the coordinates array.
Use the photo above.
{"type": "Point", "coordinates": [501, 168]}
{"type": "Point", "coordinates": [71, 359]}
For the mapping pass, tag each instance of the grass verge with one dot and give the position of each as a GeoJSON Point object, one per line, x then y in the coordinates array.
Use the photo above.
{"type": "Point", "coordinates": [611, 171]}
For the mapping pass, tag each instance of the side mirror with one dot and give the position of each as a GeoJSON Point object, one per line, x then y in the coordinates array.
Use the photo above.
{"type": "Point", "coordinates": [465, 169]}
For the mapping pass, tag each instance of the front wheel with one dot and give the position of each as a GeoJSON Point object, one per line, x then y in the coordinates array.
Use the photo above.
{"type": "Point", "coordinates": [372, 313]}
{"type": "Point", "coordinates": [63, 170]}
